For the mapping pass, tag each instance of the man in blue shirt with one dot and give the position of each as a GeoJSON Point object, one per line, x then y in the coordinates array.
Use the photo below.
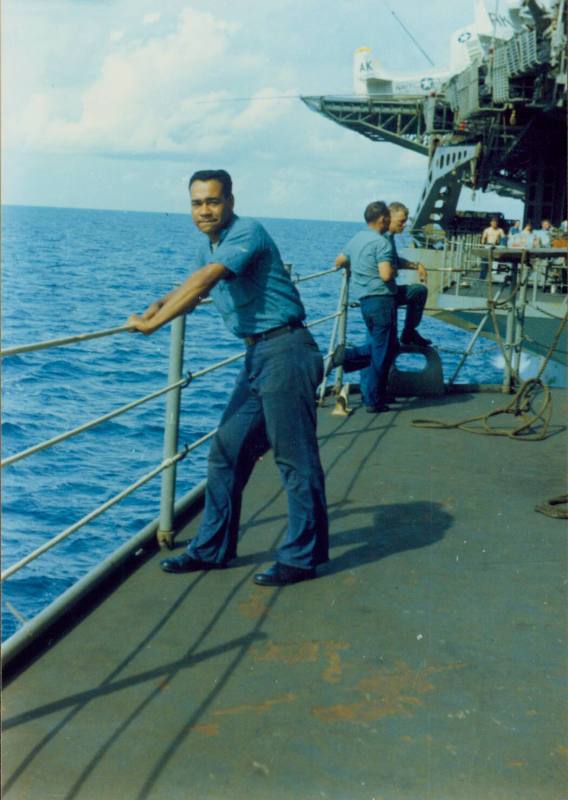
{"type": "Point", "coordinates": [369, 255]}
{"type": "Point", "coordinates": [544, 234]}
{"type": "Point", "coordinates": [273, 402]}
{"type": "Point", "coordinates": [414, 295]}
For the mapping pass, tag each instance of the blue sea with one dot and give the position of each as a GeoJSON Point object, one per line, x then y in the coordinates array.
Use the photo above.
{"type": "Point", "coordinates": [70, 271]}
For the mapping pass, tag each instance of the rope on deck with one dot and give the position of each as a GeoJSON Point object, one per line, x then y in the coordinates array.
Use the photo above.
{"type": "Point", "coordinates": [549, 507]}
{"type": "Point", "coordinates": [521, 405]}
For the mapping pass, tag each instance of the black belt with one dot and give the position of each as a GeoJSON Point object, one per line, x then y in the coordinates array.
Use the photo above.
{"type": "Point", "coordinates": [272, 332]}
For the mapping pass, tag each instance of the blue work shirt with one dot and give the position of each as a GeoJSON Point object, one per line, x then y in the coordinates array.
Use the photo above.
{"type": "Point", "coordinates": [545, 237]}
{"type": "Point", "coordinates": [366, 250]}
{"type": "Point", "coordinates": [259, 294]}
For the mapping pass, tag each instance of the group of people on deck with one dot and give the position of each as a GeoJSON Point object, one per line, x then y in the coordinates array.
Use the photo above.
{"type": "Point", "coordinates": [518, 236]}
{"type": "Point", "coordinates": [273, 402]}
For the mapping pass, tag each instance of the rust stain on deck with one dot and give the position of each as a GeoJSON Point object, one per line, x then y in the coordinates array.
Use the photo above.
{"type": "Point", "coordinates": [291, 653]}
{"type": "Point", "coordinates": [206, 729]}
{"type": "Point", "coordinates": [256, 708]}
{"type": "Point", "coordinates": [254, 606]}
{"type": "Point", "coordinates": [299, 652]}
{"type": "Point", "coordinates": [288, 652]}
{"type": "Point", "coordinates": [334, 670]}
{"type": "Point", "coordinates": [384, 693]}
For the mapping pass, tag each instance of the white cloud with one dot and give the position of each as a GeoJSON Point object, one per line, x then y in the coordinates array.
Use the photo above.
{"type": "Point", "coordinates": [151, 18]}
{"type": "Point", "coordinates": [265, 107]}
{"type": "Point", "coordinates": [163, 85]}
{"type": "Point", "coordinates": [136, 101]}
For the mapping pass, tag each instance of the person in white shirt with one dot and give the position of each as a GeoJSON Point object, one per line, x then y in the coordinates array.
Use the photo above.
{"type": "Point", "coordinates": [527, 239]}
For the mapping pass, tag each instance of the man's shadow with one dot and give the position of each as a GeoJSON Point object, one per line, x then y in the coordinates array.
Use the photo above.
{"type": "Point", "coordinates": [396, 528]}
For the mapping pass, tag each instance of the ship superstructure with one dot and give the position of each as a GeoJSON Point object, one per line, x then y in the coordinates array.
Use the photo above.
{"type": "Point", "coordinates": [493, 121]}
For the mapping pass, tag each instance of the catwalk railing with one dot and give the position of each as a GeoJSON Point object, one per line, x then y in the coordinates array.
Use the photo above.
{"type": "Point", "coordinates": [492, 284]}
{"type": "Point", "coordinates": [177, 382]}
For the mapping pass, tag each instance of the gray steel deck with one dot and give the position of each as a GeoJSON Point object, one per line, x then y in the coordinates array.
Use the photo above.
{"type": "Point", "coordinates": [428, 662]}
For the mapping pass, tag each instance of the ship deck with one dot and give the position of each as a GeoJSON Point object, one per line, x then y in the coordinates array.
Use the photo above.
{"type": "Point", "coordinates": [427, 662]}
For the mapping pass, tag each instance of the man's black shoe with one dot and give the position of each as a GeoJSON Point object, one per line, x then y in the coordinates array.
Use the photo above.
{"type": "Point", "coordinates": [376, 409]}
{"type": "Point", "coordinates": [282, 575]}
{"type": "Point", "coordinates": [413, 337]}
{"type": "Point", "coordinates": [186, 563]}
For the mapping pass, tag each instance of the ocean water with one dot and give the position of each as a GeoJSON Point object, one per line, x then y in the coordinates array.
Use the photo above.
{"type": "Point", "coordinates": [68, 271]}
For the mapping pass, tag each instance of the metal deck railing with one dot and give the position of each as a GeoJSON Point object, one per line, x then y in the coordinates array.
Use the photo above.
{"type": "Point", "coordinates": [460, 259]}
{"type": "Point", "coordinates": [177, 381]}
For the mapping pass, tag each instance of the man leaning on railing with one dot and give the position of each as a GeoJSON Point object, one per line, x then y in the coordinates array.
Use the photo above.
{"type": "Point", "coordinates": [273, 402]}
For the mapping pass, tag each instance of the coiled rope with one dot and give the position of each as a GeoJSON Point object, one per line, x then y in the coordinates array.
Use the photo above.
{"type": "Point", "coordinates": [521, 405]}
{"type": "Point", "coordinates": [550, 507]}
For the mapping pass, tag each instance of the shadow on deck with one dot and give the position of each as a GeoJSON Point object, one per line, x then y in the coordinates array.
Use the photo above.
{"type": "Point", "coordinates": [426, 663]}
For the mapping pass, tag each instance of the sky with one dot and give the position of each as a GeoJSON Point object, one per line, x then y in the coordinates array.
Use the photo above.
{"type": "Point", "coordinates": [114, 103]}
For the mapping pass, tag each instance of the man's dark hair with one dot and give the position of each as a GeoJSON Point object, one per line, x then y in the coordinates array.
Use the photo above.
{"type": "Point", "coordinates": [398, 207]}
{"type": "Point", "coordinates": [220, 175]}
{"type": "Point", "coordinates": [376, 210]}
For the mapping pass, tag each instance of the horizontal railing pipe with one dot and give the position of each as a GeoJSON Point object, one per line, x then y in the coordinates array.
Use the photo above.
{"type": "Point", "coordinates": [217, 365]}
{"type": "Point", "coordinates": [93, 514]}
{"type": "Point", "coordinates": [129, 406]}
{"type": "Point", "coordinates": [323, 319]}
{"type": "Point", "coordinates": [93, 423]}
{"type": "Point", "coordinates": [314, 275]}
{"type": "Point", "coordinates": [85, 337]}
{"type": "Point", "coordinates": [188, 448]}
{"type": "Point", "coordinates": [82, 337]}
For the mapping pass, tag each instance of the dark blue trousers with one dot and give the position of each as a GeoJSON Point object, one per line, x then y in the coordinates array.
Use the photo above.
{"type": "Point", "coordinates": [272, 405]}
{"type": "Point", "coordinates": [376, 356]}
{"type": "Point", "coordinates": [414, 298]}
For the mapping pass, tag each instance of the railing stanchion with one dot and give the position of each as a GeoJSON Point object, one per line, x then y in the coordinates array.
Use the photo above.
{"type": "Point", "coordinates": [524, 273]}
{"type": "Point", "coordinates": [510, 334]}
{"type": "Point", "coordinates": [474, 338]}
{"type": "Point", "coordinates": [336, 335]}
{"type": "Point", "coordinates": [171, 432]}
{"type": "Point", "coordinates": [342, 326]}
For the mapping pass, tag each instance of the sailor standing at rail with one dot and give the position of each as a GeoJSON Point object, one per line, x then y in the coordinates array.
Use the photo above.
{"type": "Point", "coordinates": [369, 255]}
{"type": "Point", "coordinates": [273, 402]}
{"type": "Point", "coordinates": [414, 295]}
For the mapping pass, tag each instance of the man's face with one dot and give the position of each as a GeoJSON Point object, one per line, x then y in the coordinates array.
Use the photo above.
{"type": "Point", "coordinates": [546, 224]}
{"type": "Point", "coordinates": [210, 208]}
{"type": "Point", "coordinates": [493, 223]}
{"type": "Point", "coordinates": [398, 220]}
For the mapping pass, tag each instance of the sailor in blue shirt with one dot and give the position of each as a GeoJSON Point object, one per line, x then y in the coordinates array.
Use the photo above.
{"type": "Point", "coordinates": [273, 402]}
{"type": "Point", "coordinates": [413, 295]}
{"type": "Point", "coordinates": [369, 255]}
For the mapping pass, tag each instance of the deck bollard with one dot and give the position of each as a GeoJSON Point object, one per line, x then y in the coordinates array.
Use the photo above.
{"type": "Point", "coordinates": [171, 432]}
